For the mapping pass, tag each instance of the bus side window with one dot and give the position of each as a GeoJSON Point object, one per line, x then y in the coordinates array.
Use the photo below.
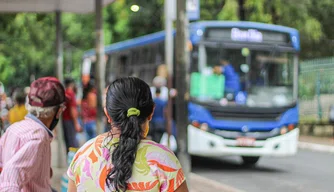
{"type": "Point", "coordinates": [122, 62]}
{"type": "Point", "coordinates": [111, 68]}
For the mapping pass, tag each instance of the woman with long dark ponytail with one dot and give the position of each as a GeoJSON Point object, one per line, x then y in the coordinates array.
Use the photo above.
{"type": "Point", "coordinates": [122, 159]}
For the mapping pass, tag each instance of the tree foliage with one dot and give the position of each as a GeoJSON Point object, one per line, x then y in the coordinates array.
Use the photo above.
{"type": "Point", "coordinates": [148, 19]}
{"type": "Point", "coordinates": [25, 47]}
{"type": "Point", "coordinates": [210, 9]}
{"type": "Point", "coordinates": [27, 40]}
{"type": "Point", "coordinates": [229, 11]}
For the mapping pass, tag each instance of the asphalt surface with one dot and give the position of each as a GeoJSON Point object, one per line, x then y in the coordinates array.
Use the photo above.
{"type": "Point", "coordinates": [308, 171]}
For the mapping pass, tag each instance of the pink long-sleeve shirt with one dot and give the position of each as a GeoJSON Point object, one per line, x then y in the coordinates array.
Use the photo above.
{"type": "Point", "coordinates": [25, 157]}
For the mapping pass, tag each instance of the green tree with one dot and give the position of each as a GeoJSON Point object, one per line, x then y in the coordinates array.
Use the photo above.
{"type": "Point", "coordinates": [148, 19]}
{"type": "Point", "coordinates": [323, 11]}
{"type": "Point", "coordinates": [229, 11]}
{"type": "Point", "coordinates": [25, 47]}
{"type": "Point", "coordinates": [291, 13]}
{"type": "Point", "coordinates": [211, 9]}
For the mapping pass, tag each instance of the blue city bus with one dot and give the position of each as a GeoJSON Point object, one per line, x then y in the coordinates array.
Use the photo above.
{"type": "Point", "coordinates": [259, 118]}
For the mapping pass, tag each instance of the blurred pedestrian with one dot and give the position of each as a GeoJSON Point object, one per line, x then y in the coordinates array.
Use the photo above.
{"type": "Point", "coordinates": [4, 108]}
{"type": "Point", "coordinates": [160, 82]}
{"type": "Point", "coordinates": [19, 111]}
{"type": "Point", "coordinates": [123, 159]}
{"type": "Point", "coordinates": [232, 82]}
{"type": "Point", "coordinates": [25, 151]}
{"type": "Point", "coordinates": [105, 121]}
{"type": "Point", "coordinates": [89, 110]}
{"type": "Point", "coordinates": [26, 92]}
{"type": "Point", "coordinates": [158, 123]}
{"type": "Point", "coordinates": [71, 123]}
{"type": "Point", "coordinates": [2, 123]}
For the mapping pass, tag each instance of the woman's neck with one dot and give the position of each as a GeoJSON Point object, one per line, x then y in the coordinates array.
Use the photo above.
{"type": "Point", "coordinates": [115, 132]}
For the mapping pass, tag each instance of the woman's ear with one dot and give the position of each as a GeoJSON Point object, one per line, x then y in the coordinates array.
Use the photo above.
{"type": "Point", "coordinates": [106, 112]}
{"type": "Point", "coordinates": [150, 116]}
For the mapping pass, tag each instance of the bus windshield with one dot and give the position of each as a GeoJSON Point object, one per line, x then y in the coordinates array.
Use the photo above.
{"type": "Point", "coordinates": [255, 78]}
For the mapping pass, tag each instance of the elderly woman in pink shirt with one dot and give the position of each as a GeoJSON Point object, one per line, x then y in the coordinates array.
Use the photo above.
{"type": "Point", "coordinates": [25, 151]}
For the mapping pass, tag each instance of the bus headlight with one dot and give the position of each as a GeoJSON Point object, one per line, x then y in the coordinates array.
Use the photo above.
{"type": "Point", "coordinates": [201, 126]}
{"type": "Point", "coordinates": [283, 130]}
{"type": "Point", "coordinates": [287, 128]}
{"type": "Point", "coordinates": [204, 127]}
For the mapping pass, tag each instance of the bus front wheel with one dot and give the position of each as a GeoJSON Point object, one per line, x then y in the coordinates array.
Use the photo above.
{"type": "Point", "coordinates": [249, 161]}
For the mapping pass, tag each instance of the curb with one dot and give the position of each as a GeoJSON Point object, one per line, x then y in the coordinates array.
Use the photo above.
{"type": "Point", "coordinates": [209, 185]}
{"type": "Point", "coordinates": [316, 147]}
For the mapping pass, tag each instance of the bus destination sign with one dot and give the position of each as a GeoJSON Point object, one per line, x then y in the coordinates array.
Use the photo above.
{"type": "Point", "coordinates": [246, 35]}
{"type": "Point", "coordinates": [251, 35]}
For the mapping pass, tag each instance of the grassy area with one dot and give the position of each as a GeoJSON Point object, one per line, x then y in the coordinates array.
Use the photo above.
{"type": "Point", "coordinates": [311, 119]}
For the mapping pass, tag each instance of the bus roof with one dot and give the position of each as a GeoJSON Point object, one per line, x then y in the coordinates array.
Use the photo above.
{"type": "Point", "coordinates": [160, 36]}
{"type": "Point", "coordinates": [242, 24]}
{"type": "Point", "coordinates": [131, 43]}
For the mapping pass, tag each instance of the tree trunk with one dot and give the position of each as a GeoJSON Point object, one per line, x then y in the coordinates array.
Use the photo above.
{"type": "Point", "coordinates": [242, 15]}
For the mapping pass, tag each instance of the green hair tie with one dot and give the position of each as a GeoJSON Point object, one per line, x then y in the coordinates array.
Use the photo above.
{"type": "Point", "coordinates": [133, 111]}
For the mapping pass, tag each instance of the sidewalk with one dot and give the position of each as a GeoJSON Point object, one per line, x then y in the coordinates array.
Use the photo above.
{"type": "Point", "coordinates": [319, 144]}
{"type": "Point", "coordinates": [198, 183]}
{"type": "Point", "coordinates": [317, 140]}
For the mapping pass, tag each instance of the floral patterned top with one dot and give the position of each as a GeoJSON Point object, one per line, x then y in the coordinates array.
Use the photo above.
{"type": "Point", "coordinates": [156, 168]}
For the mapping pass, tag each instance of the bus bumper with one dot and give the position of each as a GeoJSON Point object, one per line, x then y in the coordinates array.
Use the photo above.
{"type": "Point", "coordinates": [202, 143]}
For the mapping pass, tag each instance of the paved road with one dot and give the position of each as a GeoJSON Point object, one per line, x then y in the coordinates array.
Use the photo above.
{"type": "Point", "coordinates": [308, 171]}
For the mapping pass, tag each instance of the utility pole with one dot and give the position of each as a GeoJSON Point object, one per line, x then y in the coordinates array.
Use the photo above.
{"type": "Point", "coordinates": [60, 76]}
{"type": "Point", "coordinates": [169, 62]}
{"type": "Point", "coordinates": [182, 61]}
{"type": "Point", "coordinates": [100, 65]}
{"type": "Point", "coordinates": [59, 48]}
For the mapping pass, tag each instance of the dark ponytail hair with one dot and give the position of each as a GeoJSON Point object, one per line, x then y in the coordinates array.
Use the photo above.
{"type": "Point", "coordinates": [86, 89]}
{"type": "Point", "coordinates": [123, 94]}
